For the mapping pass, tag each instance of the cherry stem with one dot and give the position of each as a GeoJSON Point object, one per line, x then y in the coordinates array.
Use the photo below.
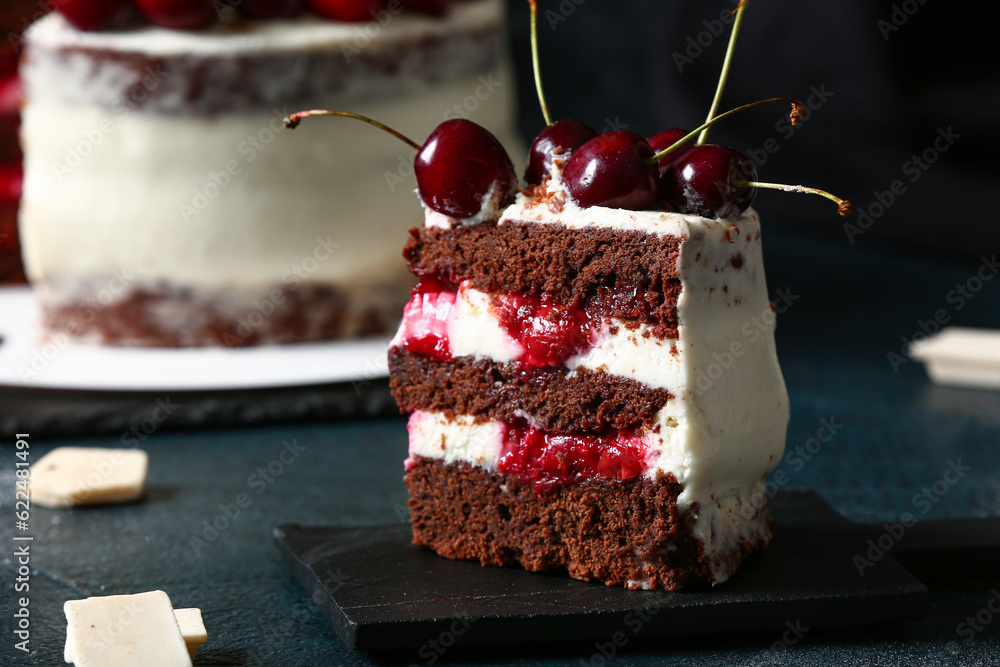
{"type": "Point", "coordinates": [293, 121]}
{"type": "Point", "coordinates": [534, 62]}
{"type": "Point", "coordinates": [843, 206]}
{"type": "Point", "coordinates": [795, 115]}
{"type": "Point", "coordinates": [725, 67]}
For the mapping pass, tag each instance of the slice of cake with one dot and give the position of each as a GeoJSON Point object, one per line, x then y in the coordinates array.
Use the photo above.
{"type": "Point", "coordinates": [593, 389]}
{"type": "Point", "coordinates": [590, 365]}
{"type": "Point", "coordinates": [165, 206]}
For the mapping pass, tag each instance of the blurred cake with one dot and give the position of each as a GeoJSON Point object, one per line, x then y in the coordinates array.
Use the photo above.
{"type": "Point", "coordinates": [12, 21]}
{"type": "Point", "coordinates": [165, 206]}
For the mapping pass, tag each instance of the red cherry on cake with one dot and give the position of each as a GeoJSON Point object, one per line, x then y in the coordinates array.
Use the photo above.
{"type": "Point", "coordinates": [704, 180]}
{"type": "Point", "coordinates": [178, 14]}
{"type": "Point", "coordinates": [88, 14]}
{"type": "Point", "coordinates": [560, 138]}
{"type": "Point", "coordinates": [611, 170]}
{"type": "Point", "coordinates": [664, 140]}
{"type": "Point", "coordinates": [345, 10]}
{"type": "Point", "coordinates": [462, 170]}
{"type": "Point", "coordinates": [271, 9]}
{"type": "Point", "coordinates": [430, 7]}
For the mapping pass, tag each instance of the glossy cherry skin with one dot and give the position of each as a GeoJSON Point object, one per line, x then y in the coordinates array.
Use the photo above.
{"type": "Point", "coordinates": [178, 14]}
{"type": "Point", "coordinates": [429, 7]}
{"type": "Point", "coordinates": [702, 182]}
{"type": "Point", "coordinates": [459, 165]}
{"type": "Point", "coordinates": [271, 9]}
{"type": "Point", "coordinates": [664, 140]}
{"type": "Point", "coordinates": [562, 137]}
{"type": "Point", "coordinates": [610, 170]}
{"type": "Point", "coordinates": [345, 10]}
{"type": "Point", "coordinates": [88, 14]}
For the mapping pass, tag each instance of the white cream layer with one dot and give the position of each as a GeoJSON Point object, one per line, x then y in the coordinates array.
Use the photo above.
{"type": "Point", "coordinates": [233, 201]}
{"type": "Point", "coordinates": [473, 330]}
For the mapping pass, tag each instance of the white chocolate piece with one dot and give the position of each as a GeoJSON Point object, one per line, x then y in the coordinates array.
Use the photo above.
{"type": "Point", "coordinates": [192, 629]}
{"type": "Point", "coordinates": [72, 476]}
{"type": "Point", "coordinates": [961, 357]}
{"type": "Point", "coordinates": [124, 630]}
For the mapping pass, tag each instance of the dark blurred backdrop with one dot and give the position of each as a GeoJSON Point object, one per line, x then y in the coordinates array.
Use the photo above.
{"type": "Point", "coordinates": [887, 81]}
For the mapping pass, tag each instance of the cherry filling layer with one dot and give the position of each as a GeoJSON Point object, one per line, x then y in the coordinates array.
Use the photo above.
{"type": "Point", "coordinates": [426, 317]}
{"type": "Point", "coordinates": [547, 460]}
{"type": "Point", "coordinates": [548, 333]}
{"type": "Point", "coordinates": [543, 333]}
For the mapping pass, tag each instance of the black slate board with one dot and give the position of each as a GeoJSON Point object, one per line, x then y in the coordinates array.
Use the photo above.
{"type": "Point", "coordinates": [381, 593]}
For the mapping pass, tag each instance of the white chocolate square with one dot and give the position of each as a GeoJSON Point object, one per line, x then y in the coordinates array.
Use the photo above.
{"type": "Point", "coordinates": [192, 629]}
{"type": "Point", "coordinates": [124, 631]}
{"type": "Point", "coordinates": [961, 357]}
{"type": "Point", "coordinates": [72, 476]}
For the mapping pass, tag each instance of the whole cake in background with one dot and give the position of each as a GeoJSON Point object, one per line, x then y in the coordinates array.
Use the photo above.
{"type": "Point", "coordinates": [589, 363]}
{"type": "Point", "coordinates": [163, 206]}
{"type": "Point", "coordinates": [13, 18]}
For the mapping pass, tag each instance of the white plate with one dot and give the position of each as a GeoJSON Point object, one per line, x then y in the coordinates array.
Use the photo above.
{"type": "Point", "coordinates": [26, 360]}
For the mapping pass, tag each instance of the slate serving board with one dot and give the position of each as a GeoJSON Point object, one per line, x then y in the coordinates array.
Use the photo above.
{"type": "Point", "coordinates": [381, 593]}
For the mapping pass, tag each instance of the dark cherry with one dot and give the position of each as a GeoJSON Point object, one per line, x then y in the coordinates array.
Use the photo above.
{"type": "Point", "coordinates": [549, 333]}
{"type": "Point", "coordinates": [178, 14]}
{"type": "Point", "coordinates": [11, 177]}
{"type": "Point", "coordinates": [10, 193]}
{"type": "Point", "coordinates": [564, 136]}
{"type": "Point", "coordinates": [88, 14]}
{"type": "Point", "coordinates": [271, 9]}
{"type": "Point", "coordinates": [611, 170]}
{"type": "Point", "coordinates": [10, 119]}
{"type": "Point", "coordinates": [459, 165]}
{"type": "Point", "coordinates": [8, 61]}
{"type": "Point", "coordinates": [664, 140]}
{"type": "Point", "coordinates": [345, 10]}
{"type": "Point", "coordinates": [430, 7]}
{"type": "Point", "coordinates": [701, 182]}
{"type": "Point", "coordinates": [10, 95]}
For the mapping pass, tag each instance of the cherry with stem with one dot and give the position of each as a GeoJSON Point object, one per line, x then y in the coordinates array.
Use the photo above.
{"type": "Point", "coordinates": [462, 171]}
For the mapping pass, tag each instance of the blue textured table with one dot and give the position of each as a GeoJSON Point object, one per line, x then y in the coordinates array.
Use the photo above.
{"type": "Point", "coordinates": [868, 431]}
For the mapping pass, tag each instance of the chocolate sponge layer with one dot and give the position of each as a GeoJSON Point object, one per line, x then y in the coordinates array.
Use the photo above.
{"type": "Point", "coordinates": [622, 532]}
{"type": "Point", "coordinates": [629, 275]}
{"type": "Point", "coordinates": [553, 398]}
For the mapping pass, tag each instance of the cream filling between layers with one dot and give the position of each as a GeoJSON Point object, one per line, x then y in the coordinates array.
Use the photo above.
{"type": "Point", "coordinates": [236, 200]}
{"type": "Point", "coordinates": [473, 330]}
